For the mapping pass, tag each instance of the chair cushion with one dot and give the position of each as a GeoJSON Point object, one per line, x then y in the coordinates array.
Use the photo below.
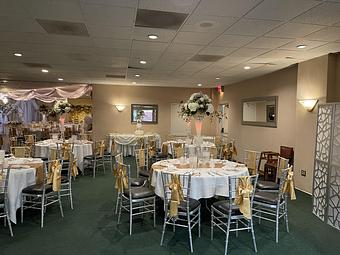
{"type": "Point", "coordinates": [266, 197]}
{"type": "Point", "coordinates": [135, 182]}
{"type": "Point", "coordinates": [37, 189]}
{"type": "Point", "coordinates": [144, 173]}
{"type": "Point", "coordinates": [140, 192]}
{"type": "Point", "coordinates": [91, 157]}
{"type": "Point", "coordinates": [224, 206]}
{"type": "Point", "coordinates": [267, 185]}
{"type": "Point", "coordinates": [193, 204]}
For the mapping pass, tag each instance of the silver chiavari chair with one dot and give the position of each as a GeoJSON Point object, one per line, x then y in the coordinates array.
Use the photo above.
{"type": "Point", "coordinates": [273, 205]}
{"type": "Point", "coordinates": [142, 163]}
{"type": "Point", "coordinates": [4, 177]}
{"type": "Point", "coordinates": [97, 158]}
{"type": "Point", "coordinates": [189, 210]}
{"type": "Point", "coordinates": [136, 201]}
{"type": "Point", "coordinates": [66, 181]}
{"type": "Point", "coordinates": [226, 216]}
{"type": "Point", "coordinates": [40, 196]}
{"type": "Point", "coordinates": [110, 152]}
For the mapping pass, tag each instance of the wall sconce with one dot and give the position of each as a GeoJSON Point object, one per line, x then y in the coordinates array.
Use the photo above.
{"type": "Point", "coordinates": [309, 104]}
{"type": "Point", "coordinates": [120, 107]}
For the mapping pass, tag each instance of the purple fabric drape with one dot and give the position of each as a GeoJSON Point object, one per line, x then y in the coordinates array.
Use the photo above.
{"type": "Point", "coordinates": [49, 95]}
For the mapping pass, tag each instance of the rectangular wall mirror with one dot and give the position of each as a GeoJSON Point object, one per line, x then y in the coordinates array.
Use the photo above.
{"type": "Point", "coordinates": [260, 111]}
{"type": "Point", "coordinates": [150, 113]}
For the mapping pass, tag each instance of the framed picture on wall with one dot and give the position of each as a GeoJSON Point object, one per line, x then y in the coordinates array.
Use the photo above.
{"type": "Point", "coordinates": [150, 113]}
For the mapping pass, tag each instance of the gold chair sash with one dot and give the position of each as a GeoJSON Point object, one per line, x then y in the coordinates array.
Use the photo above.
{"type": "Point", "coordinates": [251, 162]}
{"type": "Point", "coordinates": [165, 149]}
{"type": "Point", "coordinates": [226, 153]}
{"type": "Point", "coordinates": [100, 149]}
{"type": "Point", "coordinates": [121, 182]}
{"type": "Point", "coordinates": [54, 175]}
{"type": "Point", "coordinates": [74, 168]}
{"type": "Point", "coordinates": [176, 195]}
{"type": "Point", "coordinates": [243, 191]}
{"type": "Point", "coordinates": [282, 164]}
{"type": "Point", "coordinates": [141, 158]}
{"type": "Point", "coordinates": [152, 151]}
{"type": "Point", "coordinates": [53, 153]}
{"type": "Point", "coordinates": [179, 152]}
{"type": "Point", "coordinates": [66, 151]}
{"type": "Point", "coordinates": [288, 185]}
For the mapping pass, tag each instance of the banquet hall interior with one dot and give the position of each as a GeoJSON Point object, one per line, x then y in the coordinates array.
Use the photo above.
{"type": "Point", "coordinates": [169, 127]}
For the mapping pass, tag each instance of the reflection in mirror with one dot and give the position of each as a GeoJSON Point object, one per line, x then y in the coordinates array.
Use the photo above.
{"type": "Point", "coordinates": [259, 111]}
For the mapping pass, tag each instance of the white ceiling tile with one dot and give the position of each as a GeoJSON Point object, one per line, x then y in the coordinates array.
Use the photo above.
{"type": "Point", "coordinates": [183, 48]}
{"type": "Point", "coordinates": [231, 8]}
{"type": "Point", "coordinates": [212, 50]}
{"type": "Point", "coordinates": [247, 52]}
{"type": "Point", "coordinates": [252, 27]}
{"type": "Point", "coordinates": [10, 8]}
{"type": "Point", "coordinates": [111, 43]}
{"type": "Point", "coordinates": [151, 46]}
{"type": "Point", "coordinates": [194, 38]}
{"type": "Point", "coordinates": [325, 14]}
{"type": "Point", "coordinates": [109, 15]}
{"type": "Point", "coordinates": [277, 54]}
{"type": "Point", "coordinates": [120, 3]}
{"type": "Point", "coordinates": [97, 30]}
{"type": "Point", "coordinates": [164, 35]}
{"type": "Point", "coordinates": [327, 34]}
{"type": "Point", "coordinates": [232, 40]}
{"type": "Point", "coordinates": [281, 10]}
{"type": "Point", "coordinates": [310, 45]}
{"type": "Point", "coordinates": [207, 24]}
{"type": "Point", "coordinates": [293, 30]}
{"type": "Point", "coordinates": [17, 24]}
{"type": "Point", "coordinates": [268, 43]}
{"type": "Point", "coordinates": [182, 6]}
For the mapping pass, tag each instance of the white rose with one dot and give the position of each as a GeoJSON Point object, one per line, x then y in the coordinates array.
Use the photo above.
{"type": "Point", "coordinates": [210, 108]}
{"type": "Point", "coordinates": [193, 107]}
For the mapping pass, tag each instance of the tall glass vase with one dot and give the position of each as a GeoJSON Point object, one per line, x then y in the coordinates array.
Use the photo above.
{"type": "Point", "coordinates": [198, 126]}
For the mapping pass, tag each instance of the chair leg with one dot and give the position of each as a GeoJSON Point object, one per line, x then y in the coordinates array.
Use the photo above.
{"type": "Point", "coordinates": [60, 205]}
{"type": "Point", "coordinates": [117, 203]}
{"type": "Point", "coordinates": [22, 208]}
{"type": "Point", "coordinates": [163, 231]}
{"type": "Point", "coordinates": [236, 232]}
{"type": "Point", "coordinates": [253, 234]}
{"type": "Point", "coordinates": [277, 224]}
{"type": "Point", "coordinates": [71, 198]}
{"type": "Point", "coordinates": [103, 164]}
{"type": "Point", "coordinates": [286, 217]}
{"type": "Point", "coordinates": [154, 212]}
{"type": "Point", "coordinates": [199, 223]}
{"type": "Point", "coordinates": [212, 225]}
{"type": "Point", "coordinates": [9, 222]}
{"type": "Point", "coordinates": [94, 169]}
{"type": "Point", "coordinates": [120, 208]}
{"type": "Point", "coordinates": [190, 236]}
{"type": "Point", "coordinates": [42, 211]}
{"type": "Point", "coordinates": [130, 218]}
{"type": "Point", "coordinates": [227, 238]}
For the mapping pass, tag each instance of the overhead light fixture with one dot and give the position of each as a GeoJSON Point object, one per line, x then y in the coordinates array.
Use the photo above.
{"type": "Point", "coordinates": [44, 70]}
{"type": "Point", "coordinates": [246, 67]}
{"type": "Point", "coordinates": [5, 100]}
{"type": "Point", "coordinates": [217, 78]}
{"type": "Point", "coordinates": [18, 54]}
{"type": "Point", "coordinates": [143, 62]}
{"type": "Point", "coordinates": [4, 81]}
{"type": "Point", "coordinates": [120, 107]}
{"type": "Point", "coordinates": [199, 84]}
{"type": "Point", "coordinates": [134, 83]}
{"type": "Point", "coordinates": [153, 37]}
{"type": "Point", "coordinates": [301, 46]}
{"type": "Point", "coordinates": [60, 79]}
{"type": "Point", "coordinates": [309, 104]}
{"type": "Point", "coordinates": [137, 75]}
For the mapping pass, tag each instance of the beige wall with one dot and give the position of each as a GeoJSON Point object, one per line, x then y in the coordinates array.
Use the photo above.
{"type": "Point", "coordinates": [282, 84]}
{"type": "Point", "coordinates": [107, 119]}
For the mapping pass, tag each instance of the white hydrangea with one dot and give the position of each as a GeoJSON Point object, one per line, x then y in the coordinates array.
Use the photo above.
{"type": "Point", "coordinates": [193, 106]}
{"type": "Point", "coordinates": [210, 108]}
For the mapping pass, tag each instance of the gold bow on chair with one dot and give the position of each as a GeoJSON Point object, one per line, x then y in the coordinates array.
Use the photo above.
{"type": "Point", "coordinates": [121, 182]}
{"type": "Point", "coordinates": [226, 152]}
{"type": "Point", "coordinates": [141, 155]}
{"type": "Point", "coordinates": [66, 150]}
{"type": "Point", "coordinates": [243, 191]}
{"type": "Point", "coordinates": [152, 151]}
{"type": "Point", "coordinates": [176, 195]}
{"type": "Point", "coordinates": [74, 168]}
{"type": "Point", "coordinates": [288, 185]}
{"type": "Point", "coordinates": [101, 149]}
{"type": "Point", "coordinates": [54, 175]}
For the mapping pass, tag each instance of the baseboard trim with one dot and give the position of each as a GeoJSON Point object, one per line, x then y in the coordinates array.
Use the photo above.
{"type": "Point", "coordinates": [304, 191]}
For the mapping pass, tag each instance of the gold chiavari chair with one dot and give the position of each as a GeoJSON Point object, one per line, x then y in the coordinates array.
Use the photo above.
{"type": "Point", "coordinates": [21, 151]}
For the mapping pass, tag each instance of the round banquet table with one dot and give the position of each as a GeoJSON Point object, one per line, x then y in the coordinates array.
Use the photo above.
{"type": "Point", "coordinates": [126, 143]}
{"type": "Point", "coordinates": [80, 150]}
{"type": "Point", "coordinates": [19, 179]}
{"type": "Point", "coordinates": [208, 180]}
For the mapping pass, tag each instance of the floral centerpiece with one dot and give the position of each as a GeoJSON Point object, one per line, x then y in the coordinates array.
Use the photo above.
{"type": "Point", "coordinates": [139, 118]}
{"type": "Point", "coordinates": [60, 108]}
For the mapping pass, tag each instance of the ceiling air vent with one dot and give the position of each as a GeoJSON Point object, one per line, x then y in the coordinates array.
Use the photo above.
{"type": "Point", "coordinates": [63, 27]}
{"type": "Point", "coordinates": [159, 19]}
{"type": "Point", "coordinates": [206, 58]}
{"type": "Point", "coordinates": [115, 76]}
{"type": "Point", "coordinates": [37, 65]}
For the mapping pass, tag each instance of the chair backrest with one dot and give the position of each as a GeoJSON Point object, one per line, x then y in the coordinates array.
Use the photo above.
{"type": "Point", "coordinates": [65, 149]}
{"type": "Point", "coordinates": [125, 172]}
{"type": "Point", "coordinates": [282, 163]}
{"type": "Point", "coordinates": [47, 169]}
{"type": "Point", "coordinates": [142, 159]}
{"type": "Point", "coordinates": [4, 178]}
{"type": "Point", "coordinates": [99, 148]}
{"type": "Point", "coordinates": [233, 183]}
{"type": "Point", "coordinates": [119, 158]}
{"type": "Point", "coordinates": [288, 153]}
{"type": "Point", "coordinates": [213, 152]}
{"type": "Point", "coordinates": [178, 152]}
{"type": "Point", "coordinates": [30, 139]}
{"type": "Point", "coordinates": [21, 151]}
{"type": "Point", "coordinates": [140, 143]}
{"type": "Point", "coordinates": [70, 166]}
{"type": "Point", "coordinates": [152, 150]}
{"type": "Point", "coordinates": [251, 159]}
{"type": "Point", "coordinates": [185, 181]}
{"type": "Point", "coordinates": [53, 153]}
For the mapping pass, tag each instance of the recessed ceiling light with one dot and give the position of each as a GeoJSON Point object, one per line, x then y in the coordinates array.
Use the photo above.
{"type": "Point", "coordinates": [301, 46]}
{"type": "Point", "coordinates": [134, 83]}
{"type": "Point", "coordinates": [247, 67]}
{"type": "Point", "coordinates": [60, 79]}
{"type": "Point", "coordinates": [199, 84]}
{"type": "Point", "coordinates": [143, 62]}
{"type": "Point", "coordinates": [4, 81]}
{"type": "Point", "coordinates": [218, 78]}
{"type": "Point", "coordinates": [44, 70]}
{"type": "Point", "coordinates": [137, 75]}
{"type": "Point", "coordinates": [153, 37]}
{"type": "Point", "coordinates": [18, 54]}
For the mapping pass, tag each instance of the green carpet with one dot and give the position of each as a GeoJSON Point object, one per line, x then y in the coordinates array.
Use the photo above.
{"type": "Point", "coordinates": [91, 229]}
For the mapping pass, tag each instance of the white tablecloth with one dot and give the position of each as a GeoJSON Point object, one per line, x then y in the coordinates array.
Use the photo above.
{"type": "Point", "coordinates": [18, 180]}
{"type": "Point", "coordinates": [205, 144]}
{"type": "Point", "coordinates": [126, 143]}
{"type": "Point", "coordinates": [80, 150]}
{"type": "Point", "coordinates": [205, 182]}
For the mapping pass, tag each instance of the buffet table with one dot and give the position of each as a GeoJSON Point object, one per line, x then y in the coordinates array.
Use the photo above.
{"type": "Point", "coordinates": [81, 149]}
{"type": "Point", "coordinates": [208, 179]}
{"type": "Point", "coordinates": [126, 143]}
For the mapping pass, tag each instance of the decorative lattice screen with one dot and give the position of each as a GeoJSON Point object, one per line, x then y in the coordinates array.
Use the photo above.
{"type": "Point", "coordinates": [326, 182]}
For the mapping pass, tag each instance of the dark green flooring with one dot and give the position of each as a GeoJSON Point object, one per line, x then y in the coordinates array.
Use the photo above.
{"type": "Point", "coordinates": [91, 229]}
